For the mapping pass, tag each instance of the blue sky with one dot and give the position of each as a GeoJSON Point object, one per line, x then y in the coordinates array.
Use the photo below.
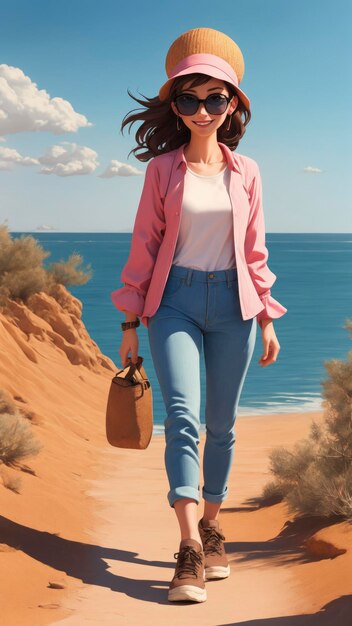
{"type": "Point", "coordinates": [76, 59]}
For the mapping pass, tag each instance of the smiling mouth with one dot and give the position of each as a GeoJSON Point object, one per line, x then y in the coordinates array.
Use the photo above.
{"type": "Point", "coordinates": [203, 123]}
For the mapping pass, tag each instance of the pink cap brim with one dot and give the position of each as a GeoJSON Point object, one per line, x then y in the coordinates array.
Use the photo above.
{"type": "Point", "coordinates": [205, 64]}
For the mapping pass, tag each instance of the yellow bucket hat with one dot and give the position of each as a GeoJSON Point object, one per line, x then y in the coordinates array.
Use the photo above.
{"type": "Point", "coordinates": [207, 51]}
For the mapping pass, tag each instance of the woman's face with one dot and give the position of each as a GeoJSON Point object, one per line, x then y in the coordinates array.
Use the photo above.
{"type": "Point", "coordinates": [213, 86]}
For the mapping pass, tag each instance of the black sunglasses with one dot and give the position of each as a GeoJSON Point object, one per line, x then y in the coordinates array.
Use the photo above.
{"type": "Point", "coordinates": [215, 103]}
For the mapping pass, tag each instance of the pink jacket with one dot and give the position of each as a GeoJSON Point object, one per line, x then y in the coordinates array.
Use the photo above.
{"type": "Point", "coordinates": [156, 230]}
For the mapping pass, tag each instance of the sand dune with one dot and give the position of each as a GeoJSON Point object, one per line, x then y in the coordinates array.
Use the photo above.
{"type": "Point", "coordinates": [95, 520]}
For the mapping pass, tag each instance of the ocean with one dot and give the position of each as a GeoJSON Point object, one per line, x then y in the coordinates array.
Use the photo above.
{"type": "Point", "coordinates": [314, 282]}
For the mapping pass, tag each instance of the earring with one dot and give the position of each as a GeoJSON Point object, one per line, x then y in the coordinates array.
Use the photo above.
{"type": "Point", "coordinates": [178, 122]}
{"type": "Point", "coordinates": [229, 124]}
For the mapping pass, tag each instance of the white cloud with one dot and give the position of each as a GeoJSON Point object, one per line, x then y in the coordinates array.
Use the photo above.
{"type": "Point", "coordinates": [116, 168]}
{"type": "Point", "coordinates": [24, 107]}
{"type": "Point", "coordinates": [68, 159]}
{"type": "Point", "coordinates": [312, 170]}
{"type": "Point", "coordinates": [9, 157]}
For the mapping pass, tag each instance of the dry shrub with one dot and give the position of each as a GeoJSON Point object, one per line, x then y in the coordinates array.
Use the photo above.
{"type": "Point", "coordinates": [22, 270]}
{"type": "Point", "coordinates": [273, 492]}
{"type": "Point", "coordinates": [16, 439]}
{"type": "Point", "coordinates": [21, 266]}
{"type": "Point", "coordinates": [69, 272]}
{"type": "Point", "coordinates": [315, 477]}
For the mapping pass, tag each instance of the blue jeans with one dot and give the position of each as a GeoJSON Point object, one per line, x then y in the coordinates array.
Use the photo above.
{"type": "Point", "coordinates": [200, 306]}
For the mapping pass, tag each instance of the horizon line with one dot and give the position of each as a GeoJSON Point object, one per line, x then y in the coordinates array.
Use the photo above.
{"type": "Point", "coordinates": [92, 232]}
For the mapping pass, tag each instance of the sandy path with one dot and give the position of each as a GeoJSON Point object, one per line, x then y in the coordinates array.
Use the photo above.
{"type": "Point", "coordinates": [127, 579]}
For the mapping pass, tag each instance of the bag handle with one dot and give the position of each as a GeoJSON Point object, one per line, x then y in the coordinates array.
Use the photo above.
{"type": "Point", "coordinates": [134, 368]}
{"type": "Point", "coordinates": [134, 375]}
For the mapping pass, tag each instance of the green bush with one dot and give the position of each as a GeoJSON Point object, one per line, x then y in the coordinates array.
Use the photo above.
{"type": "Point", "coordinates": [315, 477]}
{"type": "Point", "coordinates": [22, 269]}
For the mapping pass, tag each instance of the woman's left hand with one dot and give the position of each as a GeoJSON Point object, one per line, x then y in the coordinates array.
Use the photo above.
{"type": "Point", "coordinates": [270, 344]}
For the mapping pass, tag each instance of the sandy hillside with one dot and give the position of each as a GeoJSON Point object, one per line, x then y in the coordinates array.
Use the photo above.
{"type": "Point", "coordinates": [58, 376]}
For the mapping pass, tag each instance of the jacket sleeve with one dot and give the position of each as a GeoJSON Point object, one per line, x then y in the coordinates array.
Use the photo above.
{"type": "Point", "coordinates": [148, 232]}
{"type": "Point", "coordinates": [257, 253]}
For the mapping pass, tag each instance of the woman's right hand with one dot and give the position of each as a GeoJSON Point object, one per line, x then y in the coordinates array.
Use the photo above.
{"type": "Point", "coordinates": [129, 343]}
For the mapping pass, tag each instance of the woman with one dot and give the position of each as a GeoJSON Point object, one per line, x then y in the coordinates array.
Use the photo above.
{"type": "Point", "coordinates": [197, 275]}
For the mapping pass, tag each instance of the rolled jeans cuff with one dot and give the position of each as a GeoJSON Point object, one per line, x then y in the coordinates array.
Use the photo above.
{"type": "Point", "coordinates": [183, 492]}
{"type": "Point", "coordinates": [212, 497]}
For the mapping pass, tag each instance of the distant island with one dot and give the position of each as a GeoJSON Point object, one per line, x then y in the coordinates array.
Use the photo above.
{"type": "Point", "coordinates": [46, 227]}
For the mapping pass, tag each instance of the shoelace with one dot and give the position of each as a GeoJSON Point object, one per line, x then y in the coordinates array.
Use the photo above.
{"type": "Point", "coordinates": [212, 540]}
{"type": "Point", "coordinates": [188, 560]}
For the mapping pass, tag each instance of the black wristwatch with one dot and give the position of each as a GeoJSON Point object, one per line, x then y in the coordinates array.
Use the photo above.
{"type": "Point", "coordinates": [127, 325]}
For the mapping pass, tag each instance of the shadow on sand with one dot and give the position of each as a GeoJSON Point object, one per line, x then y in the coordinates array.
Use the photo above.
{"type": "Point", "coordinates": [85, 562]}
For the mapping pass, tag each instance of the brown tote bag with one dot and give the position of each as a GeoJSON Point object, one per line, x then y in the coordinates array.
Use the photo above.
{"type": "Point", "coordinates": [129, 411]}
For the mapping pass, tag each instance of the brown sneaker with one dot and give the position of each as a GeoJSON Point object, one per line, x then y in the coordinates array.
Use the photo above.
{"type": "Point", "coordinates": [216, 563]}
{"type": "Point", "coordinates": [188, 581]}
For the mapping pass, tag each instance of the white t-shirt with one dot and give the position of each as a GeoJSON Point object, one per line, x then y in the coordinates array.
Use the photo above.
{"type": "Point", "coordinates": [205, 240]}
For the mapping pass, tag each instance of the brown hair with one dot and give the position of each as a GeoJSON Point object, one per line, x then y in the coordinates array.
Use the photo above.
{"type": "Point", "coordinates": [158, 133]}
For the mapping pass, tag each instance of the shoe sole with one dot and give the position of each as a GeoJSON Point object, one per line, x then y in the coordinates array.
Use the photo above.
{"type": "Point", "coordinates": [217, 571]}
{"type": "Point", "coordinates": [187, 592]}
